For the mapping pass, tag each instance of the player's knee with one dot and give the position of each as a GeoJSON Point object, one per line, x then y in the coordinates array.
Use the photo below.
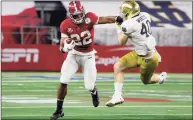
{"type": "Point", "coordinates": [116, 67]}
{"type": "Point", "coordinates": [63, 85]}
{"type": "Point", "coordinates": [64, 79]}
{"type": "Point", "coordinates": [89, 87]}
{"type": "Point", "coordinates": [145, 79]}
{"type": "Point", "coordinates": [145, 82]}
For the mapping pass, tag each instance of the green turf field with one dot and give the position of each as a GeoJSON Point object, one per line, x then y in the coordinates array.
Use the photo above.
{"type": "Point", "coordinates": [32, 95]}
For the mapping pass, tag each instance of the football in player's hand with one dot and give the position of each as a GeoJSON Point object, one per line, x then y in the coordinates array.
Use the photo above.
{"type": "Point", "coordinates": [68, 41]}
{"type": "Point", "coordinates": [69, 44]}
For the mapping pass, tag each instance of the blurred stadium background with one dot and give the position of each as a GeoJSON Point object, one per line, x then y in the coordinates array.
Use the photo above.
{"type": "Point", "coordinates": [31, 63]}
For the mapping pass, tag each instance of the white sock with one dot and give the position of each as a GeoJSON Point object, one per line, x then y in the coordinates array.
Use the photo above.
{"type": "Point", "coordinates": [118, 88]}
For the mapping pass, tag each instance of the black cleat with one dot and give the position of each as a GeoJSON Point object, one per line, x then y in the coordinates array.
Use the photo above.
{"type": "Point", "coordinates": [95, 98]}
{"type": "Point", "coordinates": [57, 115]}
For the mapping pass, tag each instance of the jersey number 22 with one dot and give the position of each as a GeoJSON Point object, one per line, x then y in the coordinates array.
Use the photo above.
{"type": "Point", "coordinates": [86, 38]}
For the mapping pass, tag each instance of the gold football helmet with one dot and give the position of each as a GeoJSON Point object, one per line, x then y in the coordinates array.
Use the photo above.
{"type": "Point", "coordinates": [129, 9]}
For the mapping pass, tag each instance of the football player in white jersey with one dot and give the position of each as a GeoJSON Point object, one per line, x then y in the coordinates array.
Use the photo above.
{"type": "Point", "coordinates": [135, 27]}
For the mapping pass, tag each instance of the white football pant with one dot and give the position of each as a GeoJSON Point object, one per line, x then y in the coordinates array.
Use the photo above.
{"type": "Point", "coordinates": [71, 65]}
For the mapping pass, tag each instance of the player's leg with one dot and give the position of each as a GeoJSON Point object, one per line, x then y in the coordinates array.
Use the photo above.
{"type": "Point", "coordinates": [119, 76]}
{"type": "Point", "coordinates": [69, 68]}
{"type": "Point", "coordinates": [158, 78]}
{"type": "Point", "coordinates": [127, 61]}
{"type": "Point", "coordinates": [147, 68]}
{"type": "Point", "coordinates": [90, 72]}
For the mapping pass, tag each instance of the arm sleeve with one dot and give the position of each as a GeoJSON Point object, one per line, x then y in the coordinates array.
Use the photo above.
{"type": "Point", "coordinates": [127, 28]}
{"type": "Point", "coordinates": [63, 30]}
{"type": "Point", "coordinates": [94, 18]}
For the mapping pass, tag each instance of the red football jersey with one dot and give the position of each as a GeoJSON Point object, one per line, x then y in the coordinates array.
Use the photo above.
{"type": "Point", "coordinates": [83, 34]}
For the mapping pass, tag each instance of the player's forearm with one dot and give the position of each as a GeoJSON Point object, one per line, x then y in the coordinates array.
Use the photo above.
{"type": "Point", "coordinates": [122, 38]}
{"type": "Point", "coordinates": [63, 37]}
{"type": "Point", "coordinates": [62, 41]}
{"type": "Point", "coordinates": [61, 45]}
{"type": "Point", "coordinates": [107, 19]}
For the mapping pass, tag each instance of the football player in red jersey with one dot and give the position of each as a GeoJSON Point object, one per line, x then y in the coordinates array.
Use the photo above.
{"type": "Point", "coordinates": [77, 33]}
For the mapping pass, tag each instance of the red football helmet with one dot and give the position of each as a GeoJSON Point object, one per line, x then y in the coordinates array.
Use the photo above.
{"type": "Point", "coordinates": [76, 12]}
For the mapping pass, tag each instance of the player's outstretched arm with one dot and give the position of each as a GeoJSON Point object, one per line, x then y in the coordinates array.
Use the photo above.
{"type": "Point", "coordinates": [112, 19]}
{"type": "Point", "coordinates": [107, 19]}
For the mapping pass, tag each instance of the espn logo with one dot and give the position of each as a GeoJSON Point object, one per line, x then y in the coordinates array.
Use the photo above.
{"type": "Point", "coordinates": [15, 54]}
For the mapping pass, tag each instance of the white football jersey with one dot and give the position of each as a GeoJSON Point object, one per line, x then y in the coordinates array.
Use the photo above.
{"type": "Point", "coordinates": [139, 29]}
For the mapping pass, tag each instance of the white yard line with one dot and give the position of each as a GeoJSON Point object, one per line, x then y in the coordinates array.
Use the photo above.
{"type": "Point", "coordinates": [82, 89]}
{"type": "Point", "coordinates": [147, 106]}
{"type": "Point", "coordinates": [71, 115]}
{"type": "Point", "coordinates": [29, 96]}
{"type": "Point", "coordinates": [28, 90]}
{"type": "Point", "coordinates": [30, 81]}
{"type": "Point", "coordinates": [99, 81]}
{"type": "Point", "coordinates": [174, 99]}
{"type": "Point", "coordinates": [158, 91]}
{"type": "Point", "coordinates": [109, 92]}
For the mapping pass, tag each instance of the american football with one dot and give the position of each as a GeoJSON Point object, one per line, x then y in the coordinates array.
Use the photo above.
{"type": "Point", "coordinates": [68, 40]}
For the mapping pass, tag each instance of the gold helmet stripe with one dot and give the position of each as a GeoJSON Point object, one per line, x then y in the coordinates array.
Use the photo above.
{"type": "Point", "coordinates": [127, 5]}
{"type": "Point", "coordinates": [130, 9]}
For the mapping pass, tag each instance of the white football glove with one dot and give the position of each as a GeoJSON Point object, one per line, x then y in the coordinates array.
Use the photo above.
{"type": "Point", "coordinates": [68, 46]}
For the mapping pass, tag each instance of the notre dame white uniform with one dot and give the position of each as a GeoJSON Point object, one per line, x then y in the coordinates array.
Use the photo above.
{"type": "Point", "coordinates": [145, 55]}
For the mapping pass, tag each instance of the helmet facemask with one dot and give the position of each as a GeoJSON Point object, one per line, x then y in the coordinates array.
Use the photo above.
{"type": "Point", "coordinates": [78, 17]}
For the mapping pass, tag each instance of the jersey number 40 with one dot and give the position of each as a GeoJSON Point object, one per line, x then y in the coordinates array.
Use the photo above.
{"type": "Point", "coordinates": [86, 38]}
{"type": "Point", "coordinates": [146, 28]}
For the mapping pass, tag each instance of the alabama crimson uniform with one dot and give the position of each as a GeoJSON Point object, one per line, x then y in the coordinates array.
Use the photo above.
{"type": "Point", "coordinates": [82, 34]}
{"type": "Point", "coordinates": [83, 53]}
{"type": "Point", "coordinates": [77, 33]}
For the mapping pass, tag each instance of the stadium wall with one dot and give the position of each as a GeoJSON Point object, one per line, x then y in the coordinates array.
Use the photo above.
{"type": "Point", "coordinates": [164, 36]}
{"type": "Point", "coordinates": [171, 21]}
{"type": "Point", "coordinates": [48, 58]}
{"type": "Point", "coordinates": [171, 26]}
